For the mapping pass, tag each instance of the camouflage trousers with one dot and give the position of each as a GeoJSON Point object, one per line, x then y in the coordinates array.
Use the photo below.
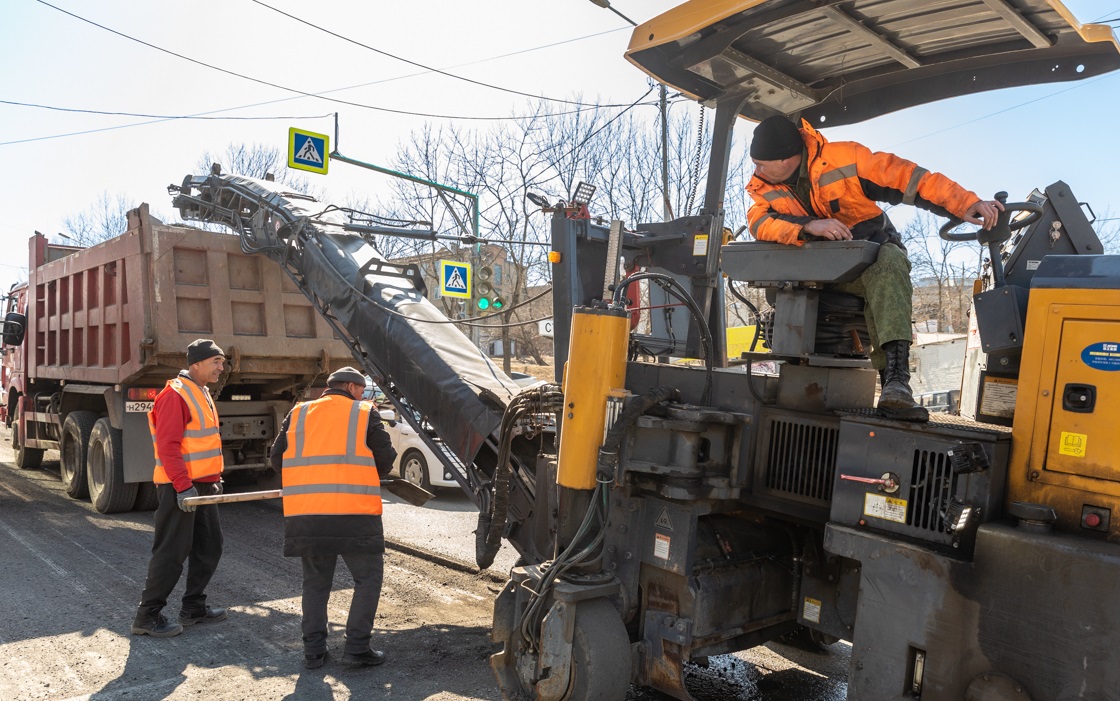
{"type": "Point", "coordinates": [888, 300]}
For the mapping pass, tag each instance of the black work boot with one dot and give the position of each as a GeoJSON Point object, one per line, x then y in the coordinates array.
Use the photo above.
{"type": "Point", "coordinates": [369, 658]}
{"type": "Point", "coordinates": [896, 401]}
{"type": "Point", "coordinates": [210, 614]}
{"type": "Point", "coordinates": [157, 627]}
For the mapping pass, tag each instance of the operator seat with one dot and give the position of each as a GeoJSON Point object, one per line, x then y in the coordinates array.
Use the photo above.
{"type": "Point", "coordinates": [810, 322]}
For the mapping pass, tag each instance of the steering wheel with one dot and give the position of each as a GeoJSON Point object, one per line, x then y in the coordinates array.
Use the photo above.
{"type": "Point", "coordinates": [1003, 227]}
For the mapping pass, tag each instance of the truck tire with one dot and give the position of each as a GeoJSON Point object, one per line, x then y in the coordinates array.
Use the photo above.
{"type": "Point", "coordinates": [108, 491]}
{"type": "Point", "coordinates": [147, 498]}
{"type": "Point", "coordinates": [26, 458]}
{"type": "Point", "coordinates": [73, 445]}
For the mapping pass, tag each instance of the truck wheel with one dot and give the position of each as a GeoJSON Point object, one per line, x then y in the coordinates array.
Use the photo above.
{"type": "Point", "coordinates": [147, 498]}
{"type": "Point", "coordinates": [414, 468]}
{"type": "Point", "coordinates": [105, 470]}
{"type": "Point", "coordinates": [26, 458]}
{"type": "Point", "coordinates": [72, 448]}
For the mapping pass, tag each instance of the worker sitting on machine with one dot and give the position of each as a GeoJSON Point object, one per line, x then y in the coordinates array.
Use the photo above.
{"type": "Point", "coordinates": [805, 188]}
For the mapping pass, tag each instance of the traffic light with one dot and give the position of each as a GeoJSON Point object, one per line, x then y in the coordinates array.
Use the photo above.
{"type": "Point", "coordinates": [486, 298]}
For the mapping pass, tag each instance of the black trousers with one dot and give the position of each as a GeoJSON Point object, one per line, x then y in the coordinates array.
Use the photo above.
{"type": "Point", "coordinates": [318, 576]}
{"type": "Point", "coordinates": [194, 538]}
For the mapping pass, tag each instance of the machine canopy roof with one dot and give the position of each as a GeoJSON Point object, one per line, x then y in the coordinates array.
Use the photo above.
{"type": "Point", "coordinates": [838, 62]}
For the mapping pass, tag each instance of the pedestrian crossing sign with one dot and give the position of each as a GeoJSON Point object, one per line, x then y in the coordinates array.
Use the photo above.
{"type": "Point", "coordinates": [308, 150]}
{"type": "Point", "coordinates": [455, 279]}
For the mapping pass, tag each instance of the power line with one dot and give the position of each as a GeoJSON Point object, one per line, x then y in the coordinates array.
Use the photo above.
{"type": "Point", "coordinates": [303, 93]}
{"type": "Point", "coordinates": [410, 62]}
{"type": "Point", "coordinates": [158, 117]}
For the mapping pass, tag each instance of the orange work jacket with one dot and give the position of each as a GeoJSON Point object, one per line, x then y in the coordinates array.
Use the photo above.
{"type": "Point", "coordinates": [837, 173]}
{"type": "Point", "coordinates": [202, 444]}
{"type": "Point", "coordinates": [328, 469]}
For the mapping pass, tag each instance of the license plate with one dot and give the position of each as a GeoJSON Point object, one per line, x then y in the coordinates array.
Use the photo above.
{"type": "Point", "coordinates": [138, 406]}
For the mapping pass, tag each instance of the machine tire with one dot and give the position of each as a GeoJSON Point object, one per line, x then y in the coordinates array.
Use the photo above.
{"type": "Point", "coordinates": [73, 445]}
{"type": "Point", "coordinates": [26, 458]}
{"type": "Point", "coordinates": [414, 469]}
{"type": "Point", "coordinates": [147, 498]}
{"type": "Point", "coordinates": [105, 470]}
{"type": "Point", "coordinates": [600, 654]}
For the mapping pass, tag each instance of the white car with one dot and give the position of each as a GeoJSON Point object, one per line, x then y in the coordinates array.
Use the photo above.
{"type": "Point", "coordinates": [415, 461]}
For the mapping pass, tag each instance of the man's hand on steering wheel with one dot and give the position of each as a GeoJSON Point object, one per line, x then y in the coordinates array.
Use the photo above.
{"type": "Point", "coordinates": [831, 229]}
{"type": "Point", "coordinates": [983, 213]}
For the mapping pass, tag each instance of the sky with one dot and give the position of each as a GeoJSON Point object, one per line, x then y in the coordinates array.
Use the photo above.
{"type": "Point", "coordinates": [1014, 140]}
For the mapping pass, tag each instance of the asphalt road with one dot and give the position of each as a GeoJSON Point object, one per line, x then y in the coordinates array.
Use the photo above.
{"type": "Point", "coordinates": [70, 579]}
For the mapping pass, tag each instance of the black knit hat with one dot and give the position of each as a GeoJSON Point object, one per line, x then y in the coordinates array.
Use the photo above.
{"type": "Point", "coordinates": [775, 139]}
{"type": "Point", "coordinates": [346, 374]}
{"type": "Point", "coordinates": [202, 349]}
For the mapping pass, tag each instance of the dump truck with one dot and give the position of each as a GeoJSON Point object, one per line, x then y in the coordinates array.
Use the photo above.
{"type": "Point", "coordinates": [674, 512]}
{"type": "Point", "coordinates": [96, 332]}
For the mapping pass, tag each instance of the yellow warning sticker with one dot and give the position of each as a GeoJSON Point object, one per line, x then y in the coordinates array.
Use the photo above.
{"type": "Point", "coordinates": [884, 507]}
{"type": "Point", "coordinates": [811, 610]}
{"type": "Point", "coordinates": [1073, 444]}
{"type": "Point", "coordinates": [700, 245]}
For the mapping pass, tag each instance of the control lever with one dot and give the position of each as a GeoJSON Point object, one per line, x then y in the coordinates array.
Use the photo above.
{"type": "Point", "coordinates": [887, 483]}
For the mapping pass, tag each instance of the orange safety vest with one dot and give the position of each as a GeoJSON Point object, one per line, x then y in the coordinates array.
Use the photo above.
{"type": "Point", "coordinates": [835, 171]}
{"type": "Point", "coordinates": [328, 471]}
{"type": "Point", "coordinates": [202, 444]}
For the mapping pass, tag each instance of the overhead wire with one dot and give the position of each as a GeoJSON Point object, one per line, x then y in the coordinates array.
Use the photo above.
{"type": "Point", "coordinates": [411, 62]}
{"type": "Point", "coordinates": [303, 93]}
{"type": "Point", "coordinates": [159, 117]}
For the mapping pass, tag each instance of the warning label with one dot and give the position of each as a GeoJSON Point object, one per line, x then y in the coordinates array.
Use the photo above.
{"type": "Point", "coordinates": [884, 507]}
{"type": "Point", "coordinates": [811, 610]}
{"type": "Point", "coordinates": [997, 398]}
{"type": "Point", "coordinates": [661, 546]}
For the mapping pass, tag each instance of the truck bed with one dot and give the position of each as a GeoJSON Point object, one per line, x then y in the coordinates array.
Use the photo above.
{"type": "Point", "coordinates": [128, 307]}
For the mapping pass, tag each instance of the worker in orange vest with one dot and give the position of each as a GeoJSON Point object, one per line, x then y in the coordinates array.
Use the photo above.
{"type": "Point", "coordinates": [332, 453]}
{"type": "Point", "coordinates": [188, 449]}
{"type": "Point", "coordinates": [805, 188]}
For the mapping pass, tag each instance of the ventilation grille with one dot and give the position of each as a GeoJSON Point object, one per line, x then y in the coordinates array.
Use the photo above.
{"type": "Point", "coordinates": [801, 459]}
{"type": "Point", "coordinates": [931, 484]}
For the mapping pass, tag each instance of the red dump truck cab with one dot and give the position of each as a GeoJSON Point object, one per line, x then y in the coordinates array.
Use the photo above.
{"type": "Point", "coordinates": [96, 332]}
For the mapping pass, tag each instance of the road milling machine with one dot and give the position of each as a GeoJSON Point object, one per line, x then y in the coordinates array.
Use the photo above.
{"type": "Point", "coordinates": [679, 511]}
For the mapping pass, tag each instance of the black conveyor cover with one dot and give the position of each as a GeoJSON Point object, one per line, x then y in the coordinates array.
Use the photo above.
{"type": "Point", "coordinates": [394, 331]}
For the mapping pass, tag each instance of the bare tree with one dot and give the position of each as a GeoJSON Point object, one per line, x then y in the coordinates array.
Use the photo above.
{"type": "Point", "coordinates": [1108, 231]}
{"type": "Point", "coordinates": [942, 271]}
{"type": "Point", "coordinates": [105, 218]}
{"type": "Point", "coordinates": [255, 161]}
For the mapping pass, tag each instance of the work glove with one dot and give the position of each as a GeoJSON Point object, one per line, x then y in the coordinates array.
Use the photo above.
{"type": "Point", "coordinates": [180, 496]}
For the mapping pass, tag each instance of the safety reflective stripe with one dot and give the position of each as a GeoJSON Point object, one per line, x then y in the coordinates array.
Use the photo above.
{"type": "Point", "coordinates": [911, 192]}
{"type": "Point", "coordinates": [352, 432]}
{"type": "Point", "coordinates": [758, 223]}
{"type": "Point", "coordinates": [200, 433]}
{"type": "Point", "coordinates": [837, 174]}
{"type": "Point", "coordinates": [197, 408]}
{"type": "Point", "coordinates": [327, 488]}
{"type": "Point", "coordinates": [772, 195]}
{"type": "Point", "coordinates": [358, 460]}
{"type": "Point", "coordinates": [213, 453]}
{"type": "Point", "coordinates": [301, 416]}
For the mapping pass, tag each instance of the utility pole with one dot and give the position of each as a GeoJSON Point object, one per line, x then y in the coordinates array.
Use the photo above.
{"type": "Point", "coordinates": [667, 208]}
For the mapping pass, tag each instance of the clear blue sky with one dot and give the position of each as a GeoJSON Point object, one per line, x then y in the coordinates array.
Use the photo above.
{"type": "Point", "coordinates": [1013, 140]}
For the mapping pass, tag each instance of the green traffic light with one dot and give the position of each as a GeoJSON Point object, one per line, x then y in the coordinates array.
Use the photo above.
{"type": "Point", "coordinates": [498, 304]}
{"type": "Point", "coordinates": [483, 303]}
